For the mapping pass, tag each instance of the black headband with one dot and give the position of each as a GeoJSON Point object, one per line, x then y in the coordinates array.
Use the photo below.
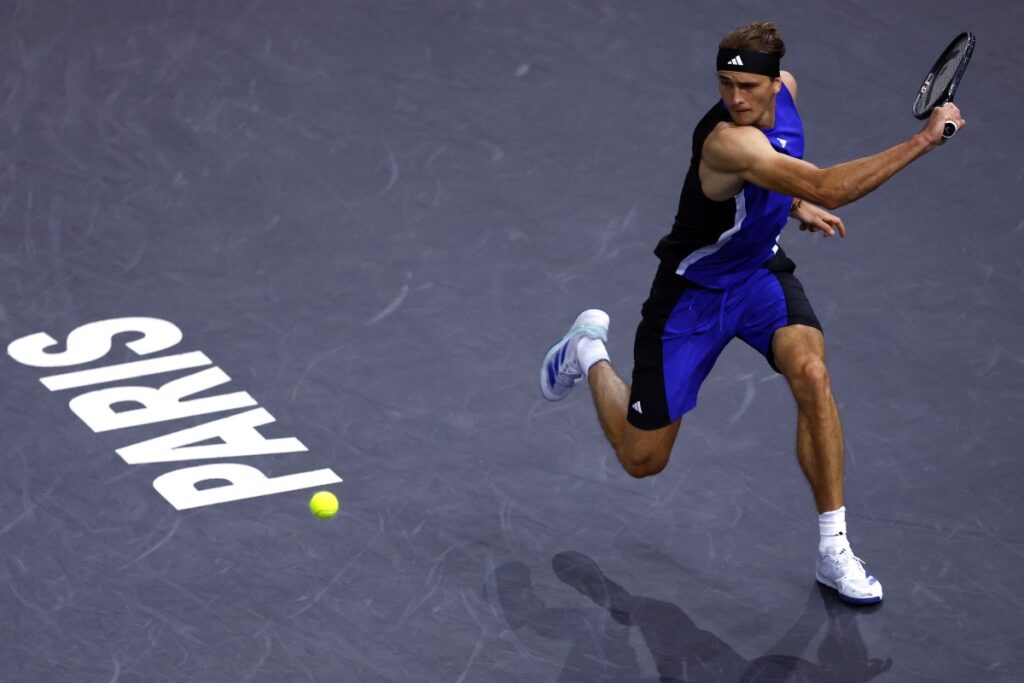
{"type": "Point", "coordinates": [749, 62]}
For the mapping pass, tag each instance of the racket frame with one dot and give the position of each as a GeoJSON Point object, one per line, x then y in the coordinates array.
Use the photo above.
{"type": "Point", "coordinates": [953, 83]}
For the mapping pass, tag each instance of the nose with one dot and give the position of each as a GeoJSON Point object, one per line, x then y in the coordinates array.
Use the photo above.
{"type": "Point", "coordinates": [735, 97]}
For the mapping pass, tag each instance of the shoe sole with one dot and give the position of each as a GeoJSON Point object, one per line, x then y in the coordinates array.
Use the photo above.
{"type": "Point", "coordinates": [592, 331]}
{"type": "Point", "coordinates": [845, 598]}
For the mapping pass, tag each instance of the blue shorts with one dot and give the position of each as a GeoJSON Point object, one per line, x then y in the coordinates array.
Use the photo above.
{"type": "Point", "coordinates": [685, 327]}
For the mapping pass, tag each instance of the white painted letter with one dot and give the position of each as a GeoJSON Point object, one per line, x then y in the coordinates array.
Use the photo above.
{"type": "Point", "coordinates": [114, 373]}
{"type": "Point", "coordinates": [238, 434]}
{"type": "Point", "coordinates": [96, 408]}
{"type": "Point", "coordinates": [92, 341]}
{"type": "Point", "coordinates": [179, 486]}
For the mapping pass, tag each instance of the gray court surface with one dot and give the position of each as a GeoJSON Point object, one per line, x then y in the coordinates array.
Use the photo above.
{"type": "Point", "coordinates": [374, 218]}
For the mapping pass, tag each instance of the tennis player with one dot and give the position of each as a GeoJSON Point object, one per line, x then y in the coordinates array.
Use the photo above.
{"type": "Point", "coordinates": [723, 275]}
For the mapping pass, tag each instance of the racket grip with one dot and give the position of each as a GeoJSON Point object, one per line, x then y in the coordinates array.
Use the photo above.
{"type": "Point", "coordinates": [949, 130]}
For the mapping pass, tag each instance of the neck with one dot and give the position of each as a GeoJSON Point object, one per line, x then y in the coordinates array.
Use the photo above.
{"type": "Point", "coordinates": [767, 120]}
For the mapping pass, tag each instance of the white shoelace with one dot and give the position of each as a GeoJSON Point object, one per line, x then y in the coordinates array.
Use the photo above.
{"type": "Point", "coordinates": [841, 560]}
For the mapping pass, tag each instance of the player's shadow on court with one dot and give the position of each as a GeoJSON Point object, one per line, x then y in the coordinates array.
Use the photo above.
{"type": "Point", "coordinates": [600, 649]}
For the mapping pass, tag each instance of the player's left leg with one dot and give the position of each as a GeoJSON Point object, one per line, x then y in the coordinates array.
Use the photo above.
{"type": "Point", "coordinates": [799, 352]}
{"type": "Point", "coordinates": [780, 323]}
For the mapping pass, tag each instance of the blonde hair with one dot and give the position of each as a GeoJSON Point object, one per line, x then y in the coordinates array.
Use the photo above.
{"type": "Point", "coordinates": [759, 36]}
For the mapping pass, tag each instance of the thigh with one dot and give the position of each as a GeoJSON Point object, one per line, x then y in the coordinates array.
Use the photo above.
{"type": "Point", "coordinates": [774, 299]}
{"type": "Point", "coordinates": [794, 344]}
{"type": "Point", "coordinates": [677, 343]}
{"type": "Point", "coordinates": [653, 445]}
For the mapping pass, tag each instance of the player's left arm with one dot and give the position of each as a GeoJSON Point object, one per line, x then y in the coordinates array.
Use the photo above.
{"type": "Point", "coordinates": [790, 82]}
{"type": "Point", "coordinates": [811, 217]}
{"type": "Point", "coordinates": [816, 219]}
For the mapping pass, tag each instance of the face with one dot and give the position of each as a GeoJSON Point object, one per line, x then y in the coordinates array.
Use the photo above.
{"type": "Point", "coordinates": [750, 98]}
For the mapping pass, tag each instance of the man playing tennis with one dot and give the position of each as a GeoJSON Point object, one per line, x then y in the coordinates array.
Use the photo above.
{"type": "Point", "coordinates": [722, 275]}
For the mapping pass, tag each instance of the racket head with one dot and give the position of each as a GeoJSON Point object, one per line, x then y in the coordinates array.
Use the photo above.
{"type": "Point", "coordinates": [940, 84]}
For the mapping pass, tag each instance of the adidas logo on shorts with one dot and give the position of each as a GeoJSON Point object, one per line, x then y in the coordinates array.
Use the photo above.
{"type": "Point", "coordinates": [636, 407]}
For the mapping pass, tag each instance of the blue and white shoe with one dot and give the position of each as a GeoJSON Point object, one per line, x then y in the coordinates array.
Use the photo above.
{"type": "Point", "coordinates": [561, 369]}
{"type": "Point", "coordinates": [838, 568]}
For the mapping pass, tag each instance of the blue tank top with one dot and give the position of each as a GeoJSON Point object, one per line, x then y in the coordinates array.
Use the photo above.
{"type": "Point", "coordinates": [720, 244]}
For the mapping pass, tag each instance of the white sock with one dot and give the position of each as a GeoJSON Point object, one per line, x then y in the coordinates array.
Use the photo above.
{"type": "Point", "coordinates": [832, 528]}
{"type": "Point", "coordinates": [590, 351]}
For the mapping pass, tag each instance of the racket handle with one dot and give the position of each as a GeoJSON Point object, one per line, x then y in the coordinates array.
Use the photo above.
{"type": "Point", "coordinates": [949, 130]}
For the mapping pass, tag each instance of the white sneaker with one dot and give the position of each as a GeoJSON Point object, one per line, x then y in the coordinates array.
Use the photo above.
{"type": "Point", "coordinates": [561, 369]}
{"type": "Point", "coordinates": [839, 569]}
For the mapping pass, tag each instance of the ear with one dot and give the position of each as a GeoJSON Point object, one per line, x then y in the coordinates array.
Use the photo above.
{"type": "Point", "coordinates": [776, 85]}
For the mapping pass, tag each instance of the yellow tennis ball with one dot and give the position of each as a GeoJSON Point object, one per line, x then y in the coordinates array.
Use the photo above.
{"type": "Point", "coordinates": [323, 504]}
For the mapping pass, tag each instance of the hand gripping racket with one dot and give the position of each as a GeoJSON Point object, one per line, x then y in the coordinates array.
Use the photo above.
{"type": "Point", "coordinates": [941, 83]}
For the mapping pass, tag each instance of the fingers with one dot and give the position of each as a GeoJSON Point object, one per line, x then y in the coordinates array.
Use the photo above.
{"type": "Point", "coordinates": [951, 112]}
{"type": "Point", "coordinates": [818, 220]}
{"type": "Point", "coordinates": [828, 225]}
{"type": "Point", "coordinates": [939, 117]}
{"type": "Point", "coordinates": [947, 112]}
{"type": "Point", "coordinates": [839, 225]}
{"type": "Point", "coordinates": [818, 225]}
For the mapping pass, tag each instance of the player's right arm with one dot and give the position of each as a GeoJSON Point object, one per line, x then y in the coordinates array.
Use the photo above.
{"type": "Point", "coordinates": [745, 152]}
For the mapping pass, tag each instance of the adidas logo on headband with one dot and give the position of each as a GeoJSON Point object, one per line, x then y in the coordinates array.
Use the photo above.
{"type": "Point", "coordinates": [748, 61]}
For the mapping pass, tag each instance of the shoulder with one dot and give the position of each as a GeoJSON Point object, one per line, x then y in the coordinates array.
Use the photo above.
{"type": "Point", "coordinates": [729, 135]}
{"type": "Point", "coordinates": [790, 82]}
{"type": "Point", "coordinates": [732, 147]}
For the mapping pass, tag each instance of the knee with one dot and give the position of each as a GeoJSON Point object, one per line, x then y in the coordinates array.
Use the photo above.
{"type": "Point", "coordinates": [642, 462]}
{"type": "Point", "coordinates": [809, 377]}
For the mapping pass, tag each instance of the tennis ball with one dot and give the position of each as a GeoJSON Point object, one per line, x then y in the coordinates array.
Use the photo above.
{"type": "Point", "coordinates": [323, 504]}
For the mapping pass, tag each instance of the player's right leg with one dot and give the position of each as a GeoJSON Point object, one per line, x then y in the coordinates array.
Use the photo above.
{"type": "Point", "coordinates": [581, 352]}
{"type": "Point", "coordinates": [561, 369]}
{"type": "Point", "coordinates": [677, 343]}
{"type": "Point", "coordinates": [641, 452]}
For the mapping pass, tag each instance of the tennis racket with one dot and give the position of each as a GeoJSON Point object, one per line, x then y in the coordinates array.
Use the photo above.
{"type": "Point", "coordinates": [940, 85]}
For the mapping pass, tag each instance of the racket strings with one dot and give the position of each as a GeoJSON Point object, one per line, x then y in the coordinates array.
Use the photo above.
{"type": "Point", "coordinates": [946, 73]}
{"type": "Point", "coordinates": [935, 88]}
